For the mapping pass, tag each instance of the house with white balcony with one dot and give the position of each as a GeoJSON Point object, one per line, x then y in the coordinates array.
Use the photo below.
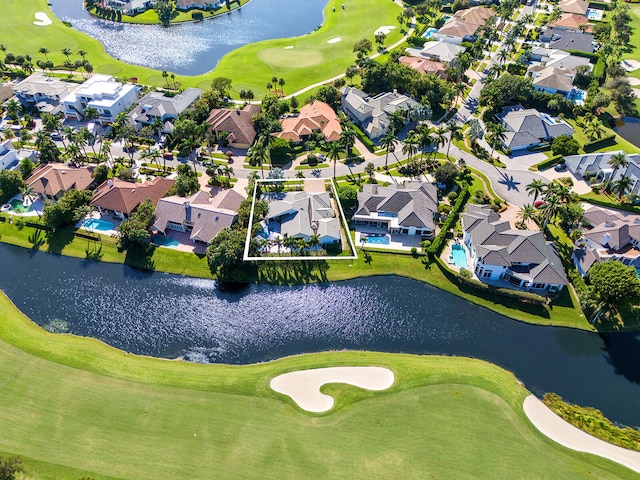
{"type": "Point", "coordinates": [504, 257]}
{"type": "Point", "coordinates": [155, 106]}
{"type": "Point", "coordinates": [10, 158]}
{"type": "Point", "coordinates": [103, 93]}
{"type": "Point", "coordinates": [43, 92]}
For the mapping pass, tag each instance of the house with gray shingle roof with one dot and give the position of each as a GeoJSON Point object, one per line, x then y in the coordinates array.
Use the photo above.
{"type": "Point", "coordinates": [372, 113]}
{"type": "Point", "coordinates": [529, 128]}
{"type": "Point", "coordinates": [609, 235]}
{"type": "Point", "coordinates": [597, 164]}
{"type": "Point", "coordinates": [155, 105]}
{"type": "Point", "coordinates": [202, 214]}
{"type": "Point", "coordinates": [551, 80]}
{"type": "Point", "coordinates": [519, 259]}
{"type": "Point", "coordinates": [408, 209]}
{"type": "Point", "coordinates": [561, 39]}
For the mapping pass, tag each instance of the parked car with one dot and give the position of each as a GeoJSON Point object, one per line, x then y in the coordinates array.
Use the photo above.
{"type": "Point", "coordinates": [561, 167]}
{"type": "Point", "coordinates": [167, 155]}
{"type": "Point", "coordinates": [321, 157]}
{"type": "Point", "coordinates": [539, 204]}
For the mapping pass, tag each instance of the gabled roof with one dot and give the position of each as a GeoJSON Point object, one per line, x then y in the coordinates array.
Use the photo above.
{"type": "Point", "coordinates": [552, 78]}
{"type": "Point", "coordinates": [443, 51]}
{"type": "Point", "coordinates": [237, 122]}
{"type": "Point", "coordinates": [313, 117]}
{"type": "Point", "coordinates": [528, 126]}
{"type": "Point", "coordinates": [476, 15]}
{"type": "Point", "coordinates": [54, 178]}
{"type": "Point", "coordinates": [574, 6]}
{"type": "Point", "coordinates": [156, 104]}
{"type": "Point", "coordinates": [207, 213]}
{"type": "Point", "coordinates": [559, 38]}
{"type": "Point", "coordinates": [122, 196]}
{"type": "Point", "coordinates": [457, 29]}
{"type": "Point", "coordinates": [39, 83]}
{"type": "Point", "coordinates": [522, 251]}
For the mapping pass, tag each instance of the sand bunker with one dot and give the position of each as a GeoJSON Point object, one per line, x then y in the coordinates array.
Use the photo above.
{"type": "Point", "coordinates": [630, 65]}
{"type": "Point", "coordinates": [386, 29]}
{"type": "Point", "coordinates": [42, 19]}
{"type": "Point", "coordinates": [334, 40]}
{"type": "Point", "coordinates": [303, 386]}
{"type": "Point", "coordinates": [569, 436]}
{"type": "Point", "coordinates": [633, 81]}
{"type": "Point", "coordinates": [288, 47]}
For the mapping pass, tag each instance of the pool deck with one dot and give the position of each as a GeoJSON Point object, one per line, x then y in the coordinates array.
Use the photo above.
{"type": "Point", "coordinates": [397, 242]}
{"type": "Point", "coordinates": [96, 216]}
{"type": "Point", "coordinates": [38, 207]}
{"type": "Point", "coordinates": [447, 252]}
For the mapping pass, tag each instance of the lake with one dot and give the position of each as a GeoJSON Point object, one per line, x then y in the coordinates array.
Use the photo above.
{"type": "Point", "coordinates": [195, 48]}
{"type": "Point", "coordinates": [629, 129]}
{"type": "Point", "coordinates": [174, 316]}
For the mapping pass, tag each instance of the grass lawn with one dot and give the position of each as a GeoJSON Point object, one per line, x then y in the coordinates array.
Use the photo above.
{"type": "Point", "coordinates": [564, 313]}
{"type": "Point", "coordinates": [634, 50]}
{"type": "Point", "coordinates": [150, 17]}
{"type": "Point", "coordinates": [75, 407]}
{"type": "Point", "coordinates": [311, 60]}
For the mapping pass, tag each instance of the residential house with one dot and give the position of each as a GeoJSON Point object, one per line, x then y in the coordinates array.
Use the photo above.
{"type": "Point", "coordinates": [609, 235]}
{"type": "Point", "coordinates": [202, 214]}
{"type": "Point", "coordinates": [303, 215]}
{"type": "Point", "coordinates": [578, 7]}
{"type": "Point", "coordinates": [529, 127]}
{"type": "Point", "coordinates": [443, 52]}
{"type": "Point", "coordinates": [551, 79]}
{"type": "Point", "coordinates": [316, 116]}
{"type": "Point", "coordinates": [185, 5]}
{"type": "Point", "coordinates": [6, 92]}
{"type": "Point", "coordinates": [561, 39]}
{"type": "Point", "coordinates": [558, 59]}
{"type": "Point", "coordinates": [122, 198]}
{"type": "Point", "coordinates": [156, 106]}
{"type": "Point", "coordinates": [10, 158]}
{"type": "Point", "coordinates": [571, 21]}
{"type": "Point", "coordinates": [130, 7]}
{"type": "Point", "coordinates": [425, 66]}
{"type": "Point", "coordinates": [500, 255]}
{"type": "Point", "coordinates": [372, 113]}
{"type": "Point", "coordinates": [43, 92]}
{"type": "Point", "coordinates": [597, 165]}
{"type": "Point", "coordinates": [462, 26]}
{"type": "Point", "coordinates": [102, 93]}
{"type": "Point", "coordinates": [237, 123]}
{"type": "Point", "coordinates": [52, 180]}
{"type": "Point", "coordinates": [409, 209]}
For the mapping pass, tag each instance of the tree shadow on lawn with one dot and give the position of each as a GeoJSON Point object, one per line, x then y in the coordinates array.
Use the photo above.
{"type": "Point", "coordinates": [60, 238]}
{"type": "Point", "coordinates": [141, 258]}
{"type": "Point", "coordinates": [37, 240]}
{"type": "Point", "coordinates": [293, 272]}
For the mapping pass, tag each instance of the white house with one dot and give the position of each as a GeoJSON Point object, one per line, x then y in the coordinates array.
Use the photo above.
{"type": "Point", "coordinates": [10, 157]}
{"type": "Point", "coordinates": [43, 92]}
{"type": "Point", "coordinates": [103, 93]}
{"type": "Point", "coordinates": [519, 259]}
{"type": "Point", "coordinates": [156, 106]}
{"type": "Point", "coordinates": [529, 127]}
{"type": "Point", "coordinates": [597, 164]}
{"type": "Point", "coordinates": [408, 209]}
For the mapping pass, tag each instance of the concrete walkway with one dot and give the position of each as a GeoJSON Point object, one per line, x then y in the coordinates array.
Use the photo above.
{"type": "Point", "coordinates": [571, 437]}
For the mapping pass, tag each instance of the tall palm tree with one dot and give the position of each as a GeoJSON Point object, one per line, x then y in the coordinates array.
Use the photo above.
{"type": "Point", "coordinates": [45, 52]}
{"type": "Point", "coordinates": [617, 161]}
{"type": "Point", "coordinates": [396, 121]}
{"type": "Point", "coordinates": [594, 129]}
{"type": "Point", "coordinates": [257, 152]}
{"type": "Point", "coordinates": [455, 133]}
{"type": "Point", "coordinates": [622, 186]}
{"type": "Point", "coordinates": [425, 139]}
{"type": "Point", "coordinates": [526, 213]}
{"type": "Point", "coordinates": [410, 146]}
{"type": "Point", "coordinates": [497, 133]}
{"type": "Point", "coordinates": [67, 53]}
{"type": "Point", "coordinates": [388, 142]}
{"type": "Point", "coordinates": [347, 137]}
{"type": "Point", "coordinates": [536, 188]}
{"type": "Point", "coordinates": [334, 154]}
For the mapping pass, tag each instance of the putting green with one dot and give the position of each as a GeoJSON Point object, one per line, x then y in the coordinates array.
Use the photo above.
{"type": "Point", "coordinates": [290, 58]}
{"type": "Point", "coordinates": [75, 407]}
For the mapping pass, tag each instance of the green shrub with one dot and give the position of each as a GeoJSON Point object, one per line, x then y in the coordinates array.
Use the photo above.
{"type": "Point", "coordinates": [564, 145]}
{"type": "Point", "coordinates": [452, 196]}
{"type": "Point", "coordinates": [598, 144]}
{"type": "Point", "coordinates": [599, 69]}
{"type": "Point", "coordinates": [548, 163]}
{"type": "Point", "coordinates": [436, 247]}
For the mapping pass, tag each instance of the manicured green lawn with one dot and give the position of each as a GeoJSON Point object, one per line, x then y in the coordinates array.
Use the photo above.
{"type": "Point", "coordinates": [311, 60]}
{"type": "Point", "coordinates": [564, 313]}
{"type": "Point", "coordinates": [75, 407]}
{"type": "Point", "coordinates": [634, 51]}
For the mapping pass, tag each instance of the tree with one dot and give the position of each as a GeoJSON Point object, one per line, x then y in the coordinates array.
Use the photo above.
{"type": "Point", "coordinates": [614, 285]}
{"type": "Point", "coordinates": [348, 197]}
{"type": "Point", "coordinates": [455, 133]}
{"type": "Point", "coordinates": [370, 170]}
{"type": "Point", "coordinates": [363, 46]}
{"type": "Point", "coordinates": [622, 186]}
{"type": "Point", "coordinates": [396, 121]}
{"type": "Point", "coordinates": [166, 11]}
{"type": "Point", "coordinates": [594, 129]}
{"type": "Point", "coordinates": [100, 174]}
{"type": "Point", "coordinates": [72, 206]}
{"type": "Point", "coordinates": [617, 161]}
{"type": "Point", "coordinates": [11, 182]}
{"type": "Point", "coordinates": [536, 188]}
{"type": "Point", "coordinates": [134, 233]}
{"type": "Point", "coordinates": [388, 142]}
{"type": "Point", "coordinates": [475, 131]}
{"type": "Point", "coordinates": [225, 253]}
{"type": "Point", "coordinates": [221, 86]}
{"type": "Point", "coordinates": [186, 181]}
{"type": "Point", "coordinates": [351, 72]}
{"type": "Point", "coordinates": [67, 53]}
{"type": "Point", "coordinates": [497, 133]}
{"type": "Point", "coordinates": [446, 173]}
{"type": "Point", "coordinates": [347, 138]}
{"type": "Point", "coordinates": [526, 213]}
{"type": "Point", "coordinates": [10, 468]}
{"type": "Point", "coordinates": [26, 167]}
{"type": "Point", "coordinates": [564, 145]}
{"type": "Point", "coordinates": [45, 52]}
{"type": "Point", "coordinates": [506, 90]}
{"type": "Point", "coordinates": [334, 154]}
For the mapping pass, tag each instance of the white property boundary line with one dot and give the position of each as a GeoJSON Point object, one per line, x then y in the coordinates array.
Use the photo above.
{"type": "Point", "coordinates": [562, 432]}
{"type": "Point", "coordinates": [343, 222]}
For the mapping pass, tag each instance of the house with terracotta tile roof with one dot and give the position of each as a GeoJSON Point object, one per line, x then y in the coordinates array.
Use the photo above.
{"type": "Point", "coordinates": [122, 198]}
{"type": "Point", "coordinates": [518, 259]}
{"type": "Point", "coordinates": [238, 123]}
{"type": "Point", "coordinates": [462, 26]}
{"type": "Point", "coordinates": [571, 21]}
{"type": "Point", "coordinates": [201, 215]}
{"type": "Point", "coordinates": [316, 116]}
{"type": "Point", "coordinates": [424, 66]}
{"type": "Point", "coordinates": [52, 180]}
{"type": "Point", "coordinates": [574, 6]}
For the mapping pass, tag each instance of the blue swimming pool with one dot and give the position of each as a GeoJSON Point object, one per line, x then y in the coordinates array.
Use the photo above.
{"type": "Point", "coordinates": [459, 255]}
{"type": "Point", "coordinates": [165, 241]}
{"type": "Point", "coordinates": [376, 238]}
{"type": "Point", "coordinates": [100, 225]}
{"type": "Point", "coordinates": [430, 32]}
{"type": "Point", "coordinates": [577, 96]}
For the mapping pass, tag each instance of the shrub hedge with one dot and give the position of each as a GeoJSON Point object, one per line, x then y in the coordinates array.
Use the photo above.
{"type": "Point", "coordinates": [364, 139]}
{"type": "Point", "coordinates": [598, 144]}
{"type": "Point", "coordinates": [435, 249]}
{"type": "Point", "coordinates": [549, 162]}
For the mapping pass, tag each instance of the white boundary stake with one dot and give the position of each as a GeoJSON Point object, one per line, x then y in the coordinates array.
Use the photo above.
{"type": "Point", "coordinates": [343, 223]}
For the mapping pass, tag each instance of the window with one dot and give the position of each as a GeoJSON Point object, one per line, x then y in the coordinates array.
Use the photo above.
{"type": "Point", "coordinates": [487, 273]}
{"type": "Point", "coordinates": [538, 286]}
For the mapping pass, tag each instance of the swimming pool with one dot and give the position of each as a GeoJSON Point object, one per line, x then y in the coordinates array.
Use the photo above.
{"type": "Point", "coordinates": [18, 207]}
{"type": "Point", "coordinates": [459, 255]}
{"type": "Point", "coordinates": [376, 238]}
{"type": "Point", "coordinates": [430, 32]}
{"type": "Point", "coordinates": [94, 224]}
{"type": "Point", "coordinates": [594, 14]}
{"type": "Point", "coordinates": [165, 241]}
{"type": "Point", "coordinates": [577, 96]}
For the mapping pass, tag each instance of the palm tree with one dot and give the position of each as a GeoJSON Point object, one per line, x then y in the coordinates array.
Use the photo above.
{"type": "Point", "coordinates": [388, 142]}
{"type": "Point", "coordinates": [440, 136]}
{"type": "Point", "coordinates": [410, 146]}
{"type": "Point", "coordinates": [67, 53]}
{"type": "Point", "coordinates": [290, 243]}
{"type": "Point", "coordinates": [257, 152]}
{"type": "Point", "coordinates": [475, 131]}
{"type": "Point", "coordinates": [526, 213]}
{"type": "Point", "coordinates": [594, 129]}
{"type": "Point", "coordinates": [45, 52]}
{"type": "Point", "coordinates": [455, 133]}
{"type": "Point", "coordinates": [502, 55]}
{"type": "Point", "coordinates": [497, 133]}
{"type": "Point", "coordinates": [91, 113]}
{"type": "Point", "coordinates": [425, 140]}
{"type": "Point", "coordinates": [622, 186]}
{"type": "Point", "coordinates": [347, 137]}
{"type": "Point", "coordinates": [396, 121]}
{"type": "Point", "coordinates": [334, 154]}
{"type": "Point", "coordinates": [281, 82]}
{"type": "Point", "coordinates": [618, 160]}
{"type": "Point", "coordinates": [536, 188]}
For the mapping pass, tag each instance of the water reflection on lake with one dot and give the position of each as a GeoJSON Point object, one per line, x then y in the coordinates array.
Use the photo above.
{"type": "Point", "coordinates": [194, 48]}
